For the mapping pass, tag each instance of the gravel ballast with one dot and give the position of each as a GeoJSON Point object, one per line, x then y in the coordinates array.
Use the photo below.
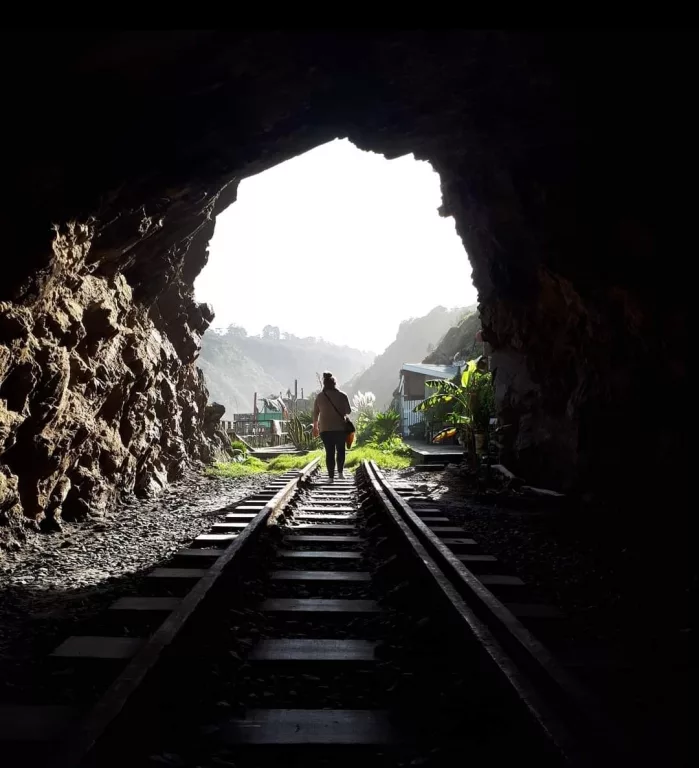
{"type": "Point", "coordinates": [624, 596]}
{"type": "Point", "coordinates": [624, 593]}
{"type": "Point", "coordinates": [56, 579]}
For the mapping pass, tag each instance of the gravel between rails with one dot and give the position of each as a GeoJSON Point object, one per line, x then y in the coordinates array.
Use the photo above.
{"type": "Point", "coordinates": [624, 589]}
{"type": "Point", "coordinates": [56, 579]}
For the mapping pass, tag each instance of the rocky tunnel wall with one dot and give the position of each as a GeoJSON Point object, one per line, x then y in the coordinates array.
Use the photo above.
{"type": "Point", "coordinates": [556, 160]}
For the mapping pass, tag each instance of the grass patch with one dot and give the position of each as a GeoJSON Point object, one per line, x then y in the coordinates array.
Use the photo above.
{"type": "Point", "coordinates": [251, 466]}
{"type": "Point", "coordinates": [385, 459]}
{"type": "Point", "coordinates": [385, 456]}
{"type": "Point", "coordinates": [285, 463]}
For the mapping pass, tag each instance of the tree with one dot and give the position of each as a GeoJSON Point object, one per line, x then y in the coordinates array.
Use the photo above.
{"type": "Point", "coordinates": [236, 330]}
{"type": "Point", "coordinates": [271, 332]}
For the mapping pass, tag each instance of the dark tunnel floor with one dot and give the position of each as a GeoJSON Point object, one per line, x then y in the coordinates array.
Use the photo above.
{"type": "Point", "coordinates": [623, 612]}
{"type": "Point", "coordinates": [625, 595]}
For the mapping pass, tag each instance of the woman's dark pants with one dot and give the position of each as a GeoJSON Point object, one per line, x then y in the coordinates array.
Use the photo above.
{"type": "Point", "coordinates": [334, 440]}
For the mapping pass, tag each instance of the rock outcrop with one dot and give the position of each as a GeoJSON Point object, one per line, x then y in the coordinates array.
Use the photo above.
{"type": "Point", "coordinates": [98, 393]}
{"type": "Point", "coordinates": [559, 155]}
{"type": "Point", "coordinates": [218, 446]}
{"type": "Point", "coordinates": [459, 342]}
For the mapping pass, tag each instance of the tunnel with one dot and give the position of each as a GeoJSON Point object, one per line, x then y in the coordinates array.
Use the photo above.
{"type": "Point", "coordinates": [562, 154]}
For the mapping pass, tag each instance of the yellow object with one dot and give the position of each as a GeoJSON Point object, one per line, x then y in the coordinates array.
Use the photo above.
{"type": "Point", "coordinates": [443, 435]}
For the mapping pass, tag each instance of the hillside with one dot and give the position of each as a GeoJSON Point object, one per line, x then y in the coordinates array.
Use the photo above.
{"type": "Point", "coordinates": [236, 365]}
{"type": "Point", "coordinates": [459, 342]}
{"type": "Point", "coordinates": [416, 338]}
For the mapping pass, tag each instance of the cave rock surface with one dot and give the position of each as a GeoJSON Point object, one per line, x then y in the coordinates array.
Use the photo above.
{"type": "Point", "coordinates": [557, 152]}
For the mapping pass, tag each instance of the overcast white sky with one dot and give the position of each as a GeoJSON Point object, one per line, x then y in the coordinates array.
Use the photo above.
{"type": "Point", "coordinates": [337, 243]}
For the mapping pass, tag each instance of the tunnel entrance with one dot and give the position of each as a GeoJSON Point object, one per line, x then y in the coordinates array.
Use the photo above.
{"type": "Point", "coordinates": [336, 260]}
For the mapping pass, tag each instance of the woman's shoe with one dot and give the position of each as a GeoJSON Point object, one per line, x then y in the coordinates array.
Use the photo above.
{"type": "Point", "coordinates": [331, 480]}
{"type": "Point", "coordinates": [340, 475]}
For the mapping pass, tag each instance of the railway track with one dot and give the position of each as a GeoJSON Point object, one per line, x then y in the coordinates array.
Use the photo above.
{"type": "Point", "coordinates": [316, 625]}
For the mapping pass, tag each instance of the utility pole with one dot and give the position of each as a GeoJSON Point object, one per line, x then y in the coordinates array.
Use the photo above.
{"type": "Point", "coordinates": [296, 396]}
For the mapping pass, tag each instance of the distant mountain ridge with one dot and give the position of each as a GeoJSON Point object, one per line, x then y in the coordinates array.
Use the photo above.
{"type": "Point", "coordinates": [236, 365]}
{"type": "Point", "coordinates": [416, 338]}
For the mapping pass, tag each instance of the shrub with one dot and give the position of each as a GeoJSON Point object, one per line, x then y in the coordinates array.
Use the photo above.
{"type": "Point", "coordinates": [377, 428]}
{"type": "Point", "coordinates": [306, 418]}
{"type": "Point", "coordinates": [301, 435]}
{"type": "Point", "coordinates": [238, 445]}
{"type": "Point", "coordinates": [394, 445]}
{"type": "Point", "coordinates": [385, 426]}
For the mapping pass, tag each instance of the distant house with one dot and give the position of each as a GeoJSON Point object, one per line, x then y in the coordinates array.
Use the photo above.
{"type": "Point", "coordinates": [271, 409]}
{"type": "Point", "coordinates": [413, 389]}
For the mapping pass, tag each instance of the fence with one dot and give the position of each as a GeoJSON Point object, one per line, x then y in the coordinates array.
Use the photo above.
{"type": "Point", "coordinates": [258, 435]}
{"type": "Point", "coordinates": [409, 418]}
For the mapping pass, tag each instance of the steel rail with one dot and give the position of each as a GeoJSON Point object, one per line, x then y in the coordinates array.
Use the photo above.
{"type": "Point", "coordinates": [494, 626]}
{"type": "Point", "coordinates": [80, 740]}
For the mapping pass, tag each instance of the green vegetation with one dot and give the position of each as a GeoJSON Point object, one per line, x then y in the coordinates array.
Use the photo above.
{"type": "Point", "coordinates": [411, 345]}
{"type": "Point", "coordinates": [285, 463]}
{"type": "Point", "coordinates": [391, 454]}
{"type": "Point", "coordinates": [301, 435]}
{"type": "Point", "coordinates": [379, 444]}
{"type": "Point", "coordinates": [469, 400]}
{"type": "Point", "coordinates": [387, 456]}
{"type": "Point", "coordinates": [394, 445]}
{"type": "Point", "coordinates": [373, 427]}
{"type": "Point", "coordinates": [385, 426]}
{"type": "Point", "coordinates": [376, 436]}
{"type": "Point", "coordinates": [251, 466]}
{"type": "Point", "coordinates": [306, 417]}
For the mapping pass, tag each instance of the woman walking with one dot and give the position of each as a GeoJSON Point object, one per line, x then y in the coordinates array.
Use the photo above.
{"type": "Point", "coordinates": [329, 416]}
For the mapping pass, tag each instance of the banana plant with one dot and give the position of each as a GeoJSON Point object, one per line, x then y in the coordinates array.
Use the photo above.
{"type": "Point", "coordinates": [448, 392]}
{"type": "Point", "coordinates": [469, 372]}
{"type": "Point", "coordinates": [469, 397]}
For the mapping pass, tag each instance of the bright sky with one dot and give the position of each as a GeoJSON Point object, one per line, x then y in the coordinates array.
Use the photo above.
{"type": "Point", "coordinates": [337, 243]}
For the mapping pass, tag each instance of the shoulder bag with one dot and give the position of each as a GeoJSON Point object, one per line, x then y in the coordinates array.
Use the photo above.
{"type": "Point", "coordinates": [349, 427]}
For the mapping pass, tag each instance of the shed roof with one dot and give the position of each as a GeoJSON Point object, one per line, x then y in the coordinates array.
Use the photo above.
{"type": "Point", "coordinates": [437, 371]}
